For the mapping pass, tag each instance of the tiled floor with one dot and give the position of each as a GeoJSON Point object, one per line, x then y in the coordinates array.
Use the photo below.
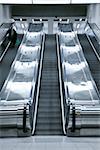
{"type": "Point", "coordinates": [50, 143]}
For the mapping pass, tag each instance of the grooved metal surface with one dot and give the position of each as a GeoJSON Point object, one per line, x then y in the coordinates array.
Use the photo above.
{"type": "Point", "coordinates": [49, 120]}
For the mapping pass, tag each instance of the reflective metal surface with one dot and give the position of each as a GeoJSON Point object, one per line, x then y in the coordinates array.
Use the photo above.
{"type": "Point", "coordinates": [77, 77]}
{"type": "Point", "coordinates": [33, 39]}
{"type": "Point", "coordinates": [20, 84]}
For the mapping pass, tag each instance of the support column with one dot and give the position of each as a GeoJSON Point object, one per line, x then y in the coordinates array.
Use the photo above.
{"type": "Point", "coordinates": [5, 13]}
{"type": "Point", "coordinates": [50, 25]}
{"type": "Point", "coordinates": [93, 14]}
{"type": "Point", "coordinates": [1, 13]}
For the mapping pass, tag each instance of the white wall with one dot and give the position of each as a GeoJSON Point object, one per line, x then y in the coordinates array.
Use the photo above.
{"type": "Point", "coordinates": [93, 14]}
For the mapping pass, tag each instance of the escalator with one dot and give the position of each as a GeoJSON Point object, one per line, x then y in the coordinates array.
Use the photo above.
{"type": "Point", "coordinates": [18, 85]}
{"type": "Point", "coordinates": [80, 68]}
{"type": "Point", "coordinates": [49, 120]}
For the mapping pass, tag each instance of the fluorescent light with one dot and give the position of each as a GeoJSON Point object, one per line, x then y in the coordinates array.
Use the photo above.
{"type": "Point", "coordinates": [16, 1]}
{"type": "Point", "coordinates": [51, 1]}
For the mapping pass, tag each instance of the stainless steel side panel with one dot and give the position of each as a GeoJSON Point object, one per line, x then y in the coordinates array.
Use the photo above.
{"type": "Point", "coordinates": [13, 121]}
{"type": "Point", "coordinates": [87, 121]}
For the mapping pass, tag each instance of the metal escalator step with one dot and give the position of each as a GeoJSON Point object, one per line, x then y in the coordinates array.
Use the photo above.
{"type": "Point", "coordinates": [48, 108]}
{"type": "Point", "coordinates": [54, 71]}
{"type": "Point", "coordinates": [49, 132]}
{"type": "Point", "coordinates": [49, 56]}
{"type": "Point", "coordinates": [44, 100]}
{"type": "Point", "coordinates": [48, 115]}
{"type": "Point", "coordinates": [49, 84]}
{"type": "Point", "coordinates": [49, 97]}
{"type": "Point", "coordinates": [50, 91]}
{"type": "Point", "coordinates": [50, 67]}
{"type": "Point", "coordinates": [49, 94]}
{"type": "Point", "coordinates": [45, 69]}
{"type": "Point", "coordinates": [48, 104]}
{"type": "Point", "coordinates": [49, 59]}
{"type": "Point", "coordinates": [43, 132]}
{"type": "Point", "coordinates": [48, 73]}
{"type": "Point", "coordinates": [51, 110]}
{"type": "Point", "coordinates": [49, 63]}
{"type": "Point", "coordinates": [50, 87]}
{"type": "Point", "coordinates": [48, 70]}
{"type": "Point", "coordinates": [48, 78]}
{"type": "Point", "coordinates": [49, 121]}
{"type": "Point", "coordinates": [48, 127]}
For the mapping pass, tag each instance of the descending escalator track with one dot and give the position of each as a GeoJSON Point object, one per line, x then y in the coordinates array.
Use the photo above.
{"type": "Point", "coordinates": [91, 58]}
{"type": "Point", "coordinates": [49, 120]}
